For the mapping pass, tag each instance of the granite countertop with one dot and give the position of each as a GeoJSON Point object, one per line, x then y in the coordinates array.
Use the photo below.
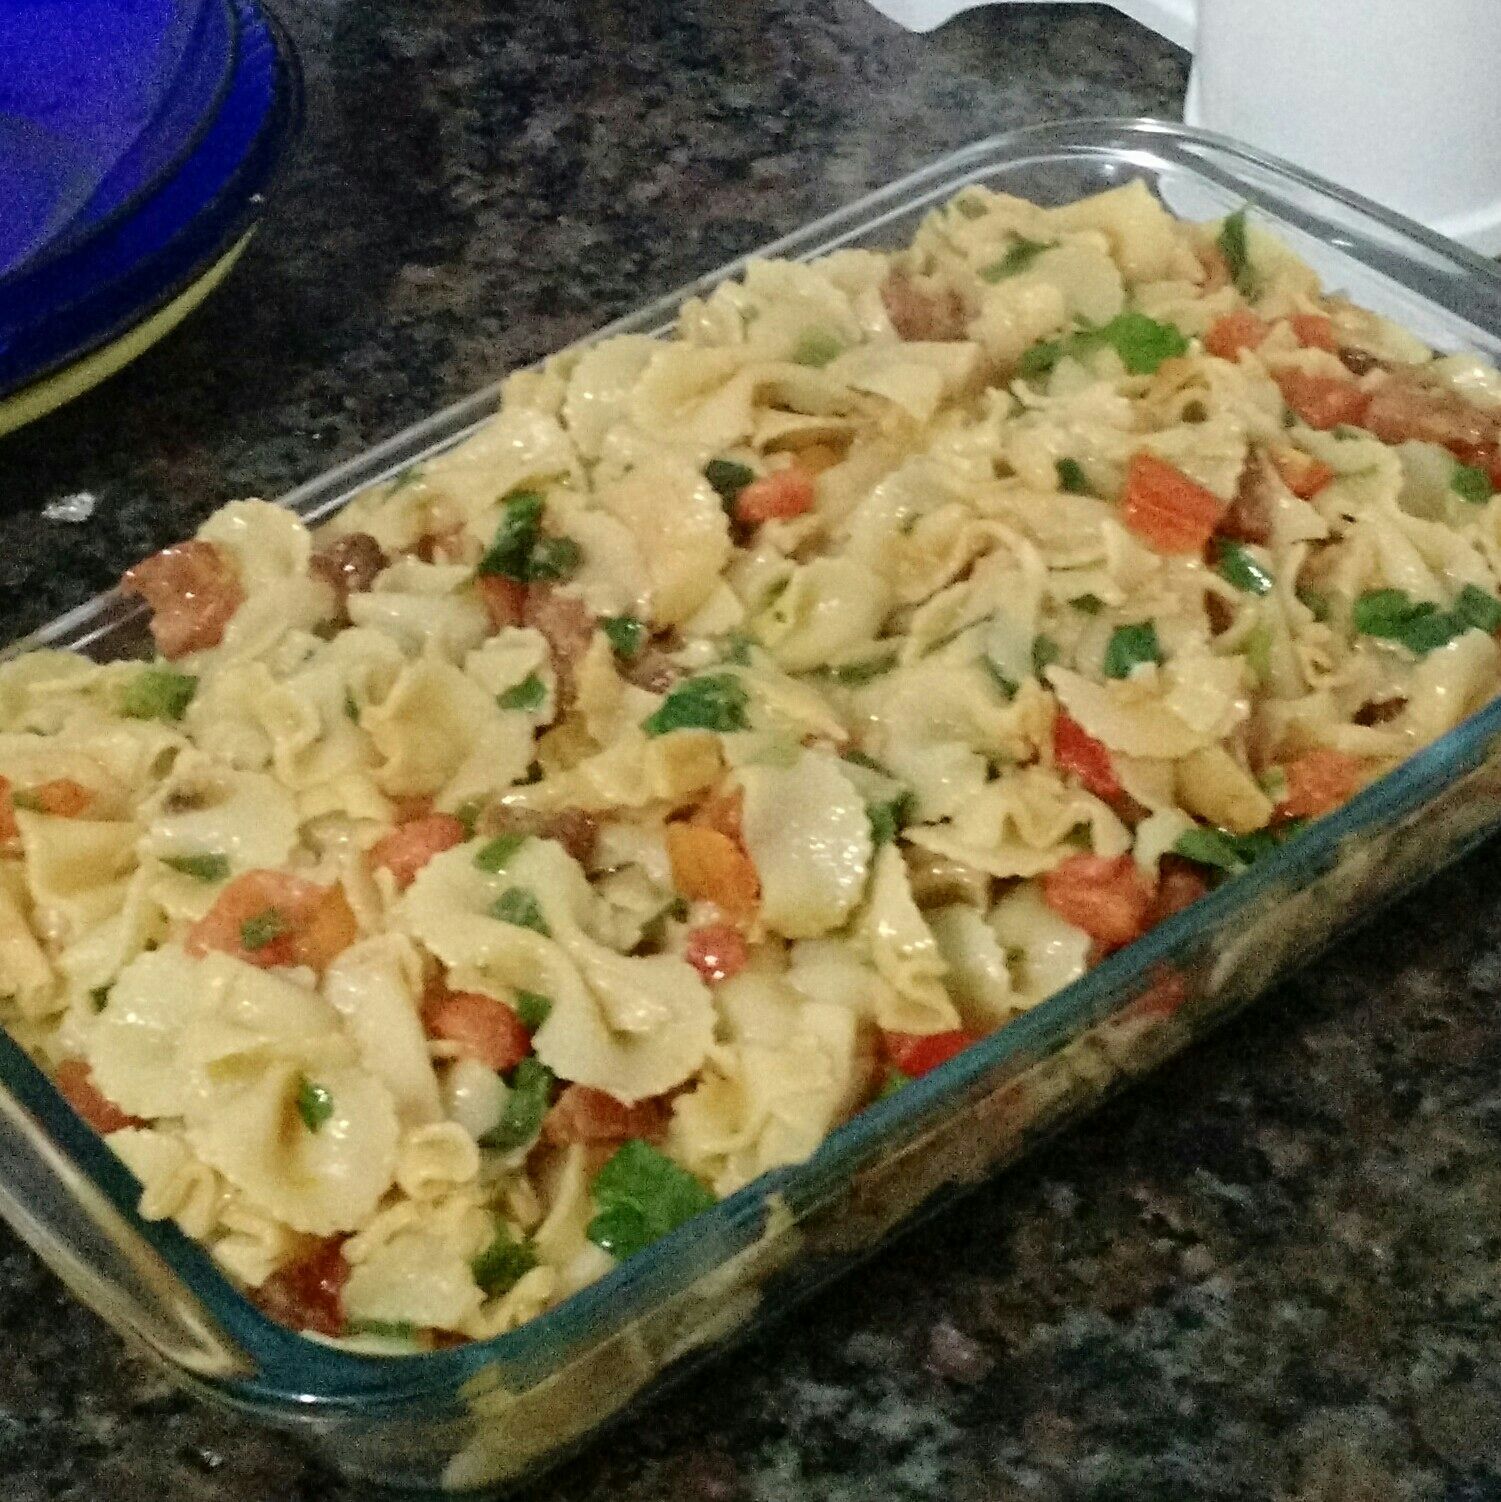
{"type": "Point", "coordinates": [1269, 1273]}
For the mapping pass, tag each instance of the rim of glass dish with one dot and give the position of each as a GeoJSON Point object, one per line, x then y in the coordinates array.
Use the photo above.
{"type": "Point", "coordinates": [293, 1369]}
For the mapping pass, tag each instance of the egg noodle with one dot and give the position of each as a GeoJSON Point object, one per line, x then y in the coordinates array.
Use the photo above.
{"type": "Point", "coordinates": [735, 727]}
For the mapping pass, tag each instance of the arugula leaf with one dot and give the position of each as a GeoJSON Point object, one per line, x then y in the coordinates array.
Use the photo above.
{"type": "Point", "coordinates": [533, 1009]}
{"type": "Point", "coordinates": [528, 1097]}
{"type": "Point", "coordinates": [314, 1104]}
{"type": "Point", "coordinates": [1234, 563]}
{"type": "Point", "coordinates": [1477, 608]}
{"type": "Point", "coordinates": [1129, 647]}
{"type": "Point", "coordinates": [519, 906]}
{"type": "Point", "coordinates": [1141, 342]}
{"type": "Point", "coordinates": [516, 535]}
{"type": "Point", "coordinates": [493, 854]}
{"type": "Point", "coordinates": [528, 694]}
{"type": "Point", "coordinates": [1471, 483]}
{"type": "Point", "coordinates": [1218, 848]}
{"type": "Point", "coordinates": [259, 931]}
{"type": "Point", "coordinates": [554, 558]}
{"type": "Point", "coordinates": [887, 819]}
{"type": "Point", "coordinates": [1235, 247]}
{"type": "Point", "coordinates": [503, 1263]}
{"type": "Point", "coordinates": [816, 348]}
{"type": "Point", "coordinates": [209, 866]}
{"type": "Point", "coordinates": [1071, 477]}
{"type": "Point", "coordinates": [157, 694]}
{"type": "Point", "coordinates": [1017, 259]}
{"type": "Point", "coordinates": [1418, 625]}
{"type": "Point", "coordinates": [626, 635]}
{"type": "Point", "coordinates": [641, 1195]}
{"type": "Point", "coordinates": [729, 478]}
{"type": "Point", "coordinates": [714, 701]}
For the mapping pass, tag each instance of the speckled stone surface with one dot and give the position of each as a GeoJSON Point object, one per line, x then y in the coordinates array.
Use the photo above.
{"type": "Point", "coordinates": [1271, 1273]}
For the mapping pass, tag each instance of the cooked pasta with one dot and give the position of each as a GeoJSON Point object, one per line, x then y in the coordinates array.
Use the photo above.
{"type": "Point", "coordinates": [737, 726]}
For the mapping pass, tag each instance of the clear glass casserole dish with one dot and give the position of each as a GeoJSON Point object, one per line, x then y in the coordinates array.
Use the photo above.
{"type": "Point", "coordinates": [494, 1411]}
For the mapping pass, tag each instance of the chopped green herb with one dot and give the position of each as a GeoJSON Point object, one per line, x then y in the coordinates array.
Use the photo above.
{"type": "Point", "coordinates": [519, 906]}
{"type": "Point", "coordinates": [729, 478]}
{"type": "Point", "coordinates": [1088, 604]}
{"type": "Point", "coordinates": [351, 707]}
{"type": "Point", "coordinates": [1478, 609]}
{"type": "Point", "coordinates": [467, 814]}
{"type": "Point", "coordinates": [715, 701]}
{"type": "Point", "coordinates": [1141, 342]}
{"type": "Point", "coordinates": [1129, 647]}
{"type": "Point", "coordinates": [27, 802]}
{"type": "Point", "coordinates": [554, 558]}
{"type": "Point", "coordinates": [494, 854]}
{"type": "Point", "coordinates": [1017, 259]}
{"type": "Point", "coordinates": [99, 996]}
{"type": "Point", "coordinates": [503, 1263]}
{"type": "Point", "coordinates": [1045, 652]}
{"type": "Point", "coordinates": [528, 694]}
{"type": "Point", "coordinates": [816, 348]}
{"type": "Point", "coordinates": [1232, 852]}
{"type": "Point", "coordinates": [158, 694]}
{"type": "Point", "coordinates": [1418, 625]}
{"type": "Point", "coordinates": [1258, 653]}
{"type": "Point", "coordinates": [382, 1329]}
{"type": "Point", "coordinates": [895, 1080]}
{"type": "Point", "coordinates": [1235, 247]}
{"type": "Point", "coordinates": [527, 1100]}
{"type": "Point", "coordinates": [1071, 477]}
{"type": "Point", "coordinates": [626, 635]}
{"type": "Point", "coordinates": [314, 1104]}
{"type": "Point", "coordinates": [210, 866]}
{"type": "Point", "coordinates": [853, 674]}
{"type": "Point", "coordinates": [259, 931]}
{"type": "Point", "coordinates": [887, 819]}
{"type": "Point", "coordinates": [1315, 601]}
{"type": "Point", "coordinates": [533, 1009]}
{"type": "Point", "coordinates": [1471, 483]}
{"type": "Point", "coordinates": [735, 648]}
{"type": "Point", "coordinates": [510, 552]}
{"type": "Point", "coordinates": [641, 1195]}
{"type": "Point", "coordinates": [1005, 684]}
{"type": "Point", "coordinates": [1235, 563]}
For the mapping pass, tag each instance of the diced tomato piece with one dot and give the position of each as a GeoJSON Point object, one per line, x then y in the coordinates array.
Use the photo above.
{"type": "Point", "coordinates": [1315, 331]}
{"type": "Point", "coordinates": [75, 1082]}
{"type": "Point", "coordinates": [1075, 750]}
{"type": "Point", "coordinates": [1180, 884]}
{"type": "Point", "coordinates": [717, 951]}
{"type": "Point", "coordinates": [504, 600]}
{"type": "Point", "coordinates": [1166, 509]}
{"type": "Point", "coordinates": [779, 496]}
{"type": "Point", "coordinates": [193, 593]}
{"type": "Point", "coordinates": [308, 1293]}
{"type": "Point", "coordinates": [584, 1114]}
{"type": "Point", "coordinates": [409, 847]}
{"type": "Point", "coordinates": [269, 918]}
{"type": "Point", "coordinates": [1318, 782]}
{"type": "Point", "coordinates": [1304, 475]}
{"type": "Point", "coordinates": [1400, 410]}
{"type": "Point", "coordinates": [1322, 401]}
{"type": "Point", "coordinates": [349, 564]}
{"type": "Point", "coordinates": [916, 1054]}
{"type": "Point", "coordinates": [62, 797]}
{"type": "Point", "coordinates": [1106, 896]}
{"type": "Point", "coordinates": [1236, 331]}
{"type": "Point", "coordinates": [708, 866]}
{"type": "Point", "coordinates": [485, 1028]}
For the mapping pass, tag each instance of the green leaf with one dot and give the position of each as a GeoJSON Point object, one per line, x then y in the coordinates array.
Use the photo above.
{"type": "Point", "coordinates": [895, 1080]}
{"type": "Point", "coordinates": [729, 478]}
{"type": "Point", "coordinates": [314, 1104]}
{"type": "Point", "coordinates": [1088, 604]}
{"type": "Point", "coordinates": [735, 648]}
{"type": "Point", "coordinates": [553, 559]}
{"type": "Point", "coordinates": [519, 906]}
{"type": "Point", "coordinates": [1235, 247]}
{"type": "Point", "coordinates": [382, 1329]}
{"type": "Point", "coordinates": [467, 813]}
{"type": "Point", "coordinates": [529, 694]}
{"type": "Point", "coordinates": [510, 551]}
{"type": "Point", "coordinates": [853, 674]}
{"type": "Point", "coordinates": [626, 635]}
{"type": "Point", "coordinates": [1478, 609]}
{"type": "Point", "coordinates": [494, 854]}
{"type": "Point", "coordinates": [157, 694]}
{"type": "Point", "coordinates": [1141, 342]}
{"type": "Point", "coordinates": [1071, 477]}
{"type": "Point", "coordinates": [816, 348]}
{"type": "Point", "coordinates": [1017, 259]}
{"type": "Point", "coordinates": [1418, 625]}
{"type": "Point", "coordinates": [527, 1099]}
{"type": "Point", "coordinates": [1236, 564]}
{"type": "Point", "coordinates": [503, 1263]}
{"type": "Point", "coordinates": [259, 931]}
{"type": "Point", "coordinates": [209, 866]}
{"type": "Point", "coordinates": [533, 1009]}
{"type": "Point", "coordinates": [1129, 647]}
{"type": "Point", "coordinates": [1045, 652]}
{"type": "Point", "coordinates": [715, 701]}
{"type": "Point", "coordinates": [1005, 684]}
{"type": "Point", "coordinates": [1471, 483]}
{"type": "Point", "coordinates": [641, 1195]}
{"type": "Point", "coordinates": [887, 819]}
{"type": "Point", "coordinates": [1224, 851]}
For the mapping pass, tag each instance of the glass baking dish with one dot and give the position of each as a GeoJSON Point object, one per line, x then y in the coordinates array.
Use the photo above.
{"type": "Point", "coordinates": [493, 1412]}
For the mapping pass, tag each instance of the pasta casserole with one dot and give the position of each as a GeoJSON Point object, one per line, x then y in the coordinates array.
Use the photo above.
{"type": "Point", "coordinates": [734, 728]}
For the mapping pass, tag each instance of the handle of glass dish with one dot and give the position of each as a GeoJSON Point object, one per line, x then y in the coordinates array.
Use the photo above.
{"type": "Point", "coordinates": [85, 1240]}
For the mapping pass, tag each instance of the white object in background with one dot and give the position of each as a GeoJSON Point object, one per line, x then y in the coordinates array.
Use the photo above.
{"type": "Point", "coordinates": [1388, 97]}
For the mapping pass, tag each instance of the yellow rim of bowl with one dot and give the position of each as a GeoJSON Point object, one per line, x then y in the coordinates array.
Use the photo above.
{"type": "Point", "coordinates": [32, 402]}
